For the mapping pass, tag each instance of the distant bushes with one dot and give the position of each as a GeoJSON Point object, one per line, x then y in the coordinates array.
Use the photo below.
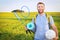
{"type": "Point", "coordinates": [17, 10]}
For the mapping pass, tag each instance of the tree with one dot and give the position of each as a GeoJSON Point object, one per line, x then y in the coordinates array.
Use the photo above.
{"type": "Point", "coordinates": [17, 10]}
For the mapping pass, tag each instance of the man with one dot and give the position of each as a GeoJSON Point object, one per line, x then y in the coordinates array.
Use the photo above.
{"type": "Point", "coordinates": [42, 23]}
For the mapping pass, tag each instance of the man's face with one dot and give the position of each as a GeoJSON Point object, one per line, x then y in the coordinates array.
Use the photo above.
{"type": "Point", "coordinates": [40, 8]}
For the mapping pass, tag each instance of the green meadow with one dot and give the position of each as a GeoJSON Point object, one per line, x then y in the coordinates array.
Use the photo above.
{"type": "Point", "coordinates": [13, 29]}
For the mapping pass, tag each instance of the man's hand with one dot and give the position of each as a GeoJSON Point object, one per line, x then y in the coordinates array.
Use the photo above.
{"type": "Point", "coordinates": [26, 28]}
{"type": "Point", "coordinates": [56, 38]}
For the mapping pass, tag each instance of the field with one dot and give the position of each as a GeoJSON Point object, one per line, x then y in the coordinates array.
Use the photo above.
{"type": "Point", "coordinates": [13, 29]}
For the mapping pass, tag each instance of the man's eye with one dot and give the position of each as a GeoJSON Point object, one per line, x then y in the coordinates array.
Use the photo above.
{"type": "Point", "coordinates": [39, 6]}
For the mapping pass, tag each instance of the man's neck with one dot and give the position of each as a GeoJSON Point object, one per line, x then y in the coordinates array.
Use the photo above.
{"type": "Point", "coordinates": [41, 14]}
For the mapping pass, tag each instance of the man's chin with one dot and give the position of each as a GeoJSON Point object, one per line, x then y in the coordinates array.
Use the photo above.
{"type": "Point", "coordinates": [41, 12]}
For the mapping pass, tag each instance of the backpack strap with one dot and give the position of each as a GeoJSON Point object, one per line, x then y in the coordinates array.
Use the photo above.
{"type": "Point", "coordinates": [48, 18]}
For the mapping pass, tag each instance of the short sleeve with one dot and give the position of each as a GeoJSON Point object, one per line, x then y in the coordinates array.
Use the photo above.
{"type": "Point", "coordinates": [51, 20]}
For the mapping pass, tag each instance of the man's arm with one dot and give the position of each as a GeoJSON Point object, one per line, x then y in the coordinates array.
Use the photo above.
{"type": "Point", "coordinates": [55, 29]}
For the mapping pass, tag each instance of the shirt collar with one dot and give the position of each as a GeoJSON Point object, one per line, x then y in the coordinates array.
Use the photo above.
{"type": "Point", "coordinates": [41, 15]}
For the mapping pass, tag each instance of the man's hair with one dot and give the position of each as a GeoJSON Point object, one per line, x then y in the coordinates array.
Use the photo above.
{"type": "Point", "coordinates": [41, 3]}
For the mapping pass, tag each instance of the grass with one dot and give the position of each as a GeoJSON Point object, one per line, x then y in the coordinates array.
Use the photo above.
{"type": "Point", "coordinates": [13, 29]}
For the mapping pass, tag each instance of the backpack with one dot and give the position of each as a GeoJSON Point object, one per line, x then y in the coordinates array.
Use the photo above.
{"type": "Point", "coordinates": [47, 16]}
{"type": "Point", "coordinates": [33, 20]}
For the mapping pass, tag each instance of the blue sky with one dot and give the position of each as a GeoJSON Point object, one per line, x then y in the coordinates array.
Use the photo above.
{"type": "Point", "coordinates": [9, 5]}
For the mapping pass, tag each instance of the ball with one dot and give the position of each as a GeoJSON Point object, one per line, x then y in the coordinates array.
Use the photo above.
{"type": "Point", "coordinates": [50, 34]}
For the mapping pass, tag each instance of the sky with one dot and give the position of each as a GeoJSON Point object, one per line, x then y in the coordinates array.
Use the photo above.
{"type": "Point", "coordinates": [9, 5]}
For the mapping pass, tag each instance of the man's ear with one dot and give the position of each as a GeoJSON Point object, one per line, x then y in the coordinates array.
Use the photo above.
{"type": "Point", "coordinates": [37, 8]}
{"type": "Point", "coordinates": [44, 7]}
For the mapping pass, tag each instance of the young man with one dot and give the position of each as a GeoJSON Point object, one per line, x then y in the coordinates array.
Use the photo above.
{"type": "Point", "coordinates": [42, 23]}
